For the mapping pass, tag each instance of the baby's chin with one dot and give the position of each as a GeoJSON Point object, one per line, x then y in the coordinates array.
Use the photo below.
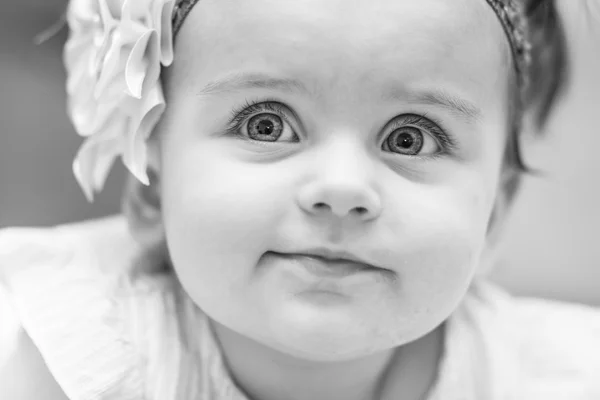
{"type": "Point", "coordinates": [321, 328]}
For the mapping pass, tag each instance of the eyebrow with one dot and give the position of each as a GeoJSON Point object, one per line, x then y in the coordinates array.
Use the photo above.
{"type": "Point", "coordinates": [455, 104]}
{"type": "Point", "coordinates": [237, 82]}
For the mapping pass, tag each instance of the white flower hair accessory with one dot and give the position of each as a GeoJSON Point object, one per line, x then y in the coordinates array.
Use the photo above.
{"type": "Point", "coordinates": [113, 59]}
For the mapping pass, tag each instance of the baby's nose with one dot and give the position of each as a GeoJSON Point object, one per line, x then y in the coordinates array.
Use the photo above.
{"type": "Point", "coordinates": [342, 183]}
{"type": "Point", "coordinates": [340, 200]}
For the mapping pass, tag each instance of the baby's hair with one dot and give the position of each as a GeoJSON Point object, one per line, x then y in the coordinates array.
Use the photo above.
{"type": "Point", "coordinates": [548, 76]}
{"type": "Point", "coordinates": [549, 67]}
{"type": "Point", "coordinates": [547, 82]}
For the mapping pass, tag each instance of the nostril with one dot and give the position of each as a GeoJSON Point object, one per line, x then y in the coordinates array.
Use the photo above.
{"type": "Point", "coordinates": [361, 210]}
{"type": "Point", "coordinates": [321, 206]}
{"type": "Point", "coordinates": [326, 207]}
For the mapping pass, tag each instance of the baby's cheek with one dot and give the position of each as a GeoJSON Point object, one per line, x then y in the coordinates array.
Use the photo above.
{"type": "Point", "coordinates": [218, 226]}
{"type": "Point", "coordinates": [442, 269]}
{"type": "Point", "coordinates": [437, 256]}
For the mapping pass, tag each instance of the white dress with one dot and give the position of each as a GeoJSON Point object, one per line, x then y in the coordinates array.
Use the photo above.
{"type": "Point", "coordinates": [107, 335]}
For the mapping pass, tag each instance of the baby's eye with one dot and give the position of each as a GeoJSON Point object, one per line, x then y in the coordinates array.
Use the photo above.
{"type": "Point", "coordinates": [263, 122]}
{"type": "Point", "coordinates": [413, 135]}
{"type": "Point", "coordinates": [267, 127]}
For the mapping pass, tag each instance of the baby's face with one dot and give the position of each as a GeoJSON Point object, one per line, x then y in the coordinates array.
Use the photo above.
{"type": "Point", "coordinates": [377, 128]}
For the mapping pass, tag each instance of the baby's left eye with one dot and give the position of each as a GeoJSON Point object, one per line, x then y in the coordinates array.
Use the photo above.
{"type": "Point", "coordinates": [411, 139]}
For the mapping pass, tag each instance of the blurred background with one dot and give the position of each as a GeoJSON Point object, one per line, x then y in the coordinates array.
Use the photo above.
{"type": "Point", "coordinates": [553, 242]}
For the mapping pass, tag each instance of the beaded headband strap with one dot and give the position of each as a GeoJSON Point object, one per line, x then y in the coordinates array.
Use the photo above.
{"type": "Point", "coordinates": [514, 21]}
{"type": "Point", "coordinates": [181, 10]}
{"type": "Point", "coordinates": [113, 59]}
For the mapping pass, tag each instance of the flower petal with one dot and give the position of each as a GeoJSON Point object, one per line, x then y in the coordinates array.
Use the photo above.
{"type": "Point", "coordinates": [95, 159]}
{"type": "Point", "coordinates": [81, 15]}
{"type": "Point", "coordinates": [111, 68]}
{"type": "Point", "coordinates": [113, 59]}
{"type": "Point", "coordinates": [164, 25]}
{"type": "Point", "coordinates": [141, 126]}
{"type": "Point", "coordinates": [135, 69]}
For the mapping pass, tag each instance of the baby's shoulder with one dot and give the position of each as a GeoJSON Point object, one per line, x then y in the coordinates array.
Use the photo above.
{"type": "Point", "coordinates": [551, 348]}
{"type": "Point", "coordinates": [102, 243]}
{"type": "Point", "coordinates": [30, 259]}
{"type": "Point", "coordinates": [98, 328]}
{"type": "Point", "coordinates": [559, 346]}
{"type": "Point", "coordinates": [23, 372]}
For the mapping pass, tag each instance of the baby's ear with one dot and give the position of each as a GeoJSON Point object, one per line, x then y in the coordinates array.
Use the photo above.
{"type": "Point", "coordinates": [141, 204]}
{"type": "Point", "coordinates": [509, 183]}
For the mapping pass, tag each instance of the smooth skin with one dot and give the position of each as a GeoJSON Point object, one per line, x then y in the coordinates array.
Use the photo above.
{"type": "Point", "coordinates": [337, 81]}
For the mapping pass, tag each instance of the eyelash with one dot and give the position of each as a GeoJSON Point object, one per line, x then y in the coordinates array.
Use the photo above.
{"type": "Point", "coordinates": [427, 123]}
{"type": "Point", "coordinates": [240, 114]}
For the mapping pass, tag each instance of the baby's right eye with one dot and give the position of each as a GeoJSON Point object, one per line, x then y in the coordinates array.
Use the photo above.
{"type": "Point", "coordinates": [269, 128]}
{"type": "Point", "coordinates": [253, 123]}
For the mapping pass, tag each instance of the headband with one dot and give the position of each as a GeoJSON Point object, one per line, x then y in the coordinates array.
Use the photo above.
{"type": "Point", "coordinates": [113, 59]}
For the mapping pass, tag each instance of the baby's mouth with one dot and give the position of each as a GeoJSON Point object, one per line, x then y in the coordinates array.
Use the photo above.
{"type": "Point", "coordinates": [327, 264]}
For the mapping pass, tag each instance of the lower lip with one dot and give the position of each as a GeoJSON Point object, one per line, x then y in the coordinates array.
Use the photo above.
{"type": "Point", "coordinates": [323, 268]}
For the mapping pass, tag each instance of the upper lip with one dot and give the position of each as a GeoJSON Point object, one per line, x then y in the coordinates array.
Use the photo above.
{"type": "Point", "coordinates": [334, 255]}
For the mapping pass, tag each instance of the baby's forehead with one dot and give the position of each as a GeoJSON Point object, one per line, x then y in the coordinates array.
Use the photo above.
{"type": "Point", "coordinates": [440, 41]}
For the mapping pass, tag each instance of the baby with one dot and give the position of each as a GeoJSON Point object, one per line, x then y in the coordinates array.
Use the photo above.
{"type": "Point", "coordinates": [318, 189]}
